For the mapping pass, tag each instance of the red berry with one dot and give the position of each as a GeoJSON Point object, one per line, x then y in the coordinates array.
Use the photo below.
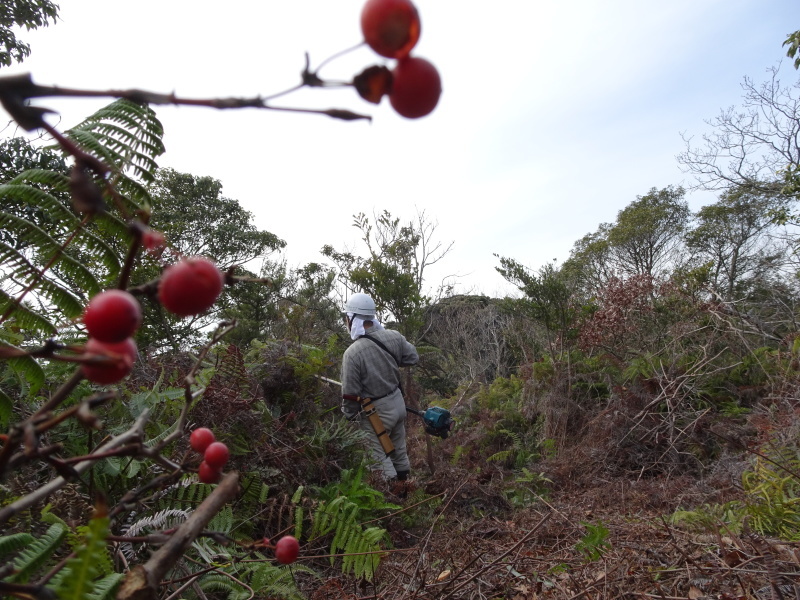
{"type": "Point", "coordinates": [287, 549]}
{"type": "Point", "coordinates": [152, 239]}
{"type": "Point", "coordinates": [207, 473]}
{"type": "Point", "coordinates": [120, 359]}
{"type": "Point", "coordinates": [416, 87]}
{"type": "Point", "coordinates": [112, 316]}
{"type": "Point", "coordinates": [216, 454]}
{"type": "Point", "coordinates": [201, 438]}
{"type": "Point", "coordinates": [390, 27]}
{"type": "Point", "coordinates": [190, 286]}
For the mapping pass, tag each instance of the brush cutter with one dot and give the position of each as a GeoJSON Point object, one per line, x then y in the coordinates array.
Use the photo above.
{"type": "Point", "coordinates": [437, 420]}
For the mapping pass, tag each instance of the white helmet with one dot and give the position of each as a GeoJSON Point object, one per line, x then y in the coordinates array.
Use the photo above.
{"type": "Point", "coordinates": [360, 304]}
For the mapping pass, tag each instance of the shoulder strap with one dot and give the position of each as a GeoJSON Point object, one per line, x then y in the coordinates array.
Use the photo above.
{"type": "Point", "coordinates": [382, 346]}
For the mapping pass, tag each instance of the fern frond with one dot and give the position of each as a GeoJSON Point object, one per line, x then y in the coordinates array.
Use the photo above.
{"type": "Point", "coordinates": [272, 581]}
{"type": "Point", "coordinates": [53, 181]}
{"type": "Point", "coordinates": [6, 409]}
{"type": "Point", "coordinates": [48, 247]}
{"type": "Point", "coordinates": [127, 134]}
{"type": "Point", "coordinates": [298, 521]}
{"type": "Point", "coordinates": [254, 491]}
{"type": "Point", "coordinates": [219, 584]}
{"type": "Point", "coordinates": [157, 439]}
{"type": "Point", "coordinates": [23, 269]}
{"type": "Point", "coordinates": [47, 516]}
{"type": "Point", "coordinates": [222, 521]}
{"type": "Point", "coordinates": [164, 519]}
{"type": "Point", "coordinates": [76, 580]}
{"type": "Point", "coordinates": [339, 516]}
{"type": "Point", "coordinates": [500, 456]}
{"type": "Point", "coordinates": [32, 196]}
{"type": "Point", "coordinates": [105, 588]}
{"type": "Point", "coordinates": [14, 542]}
{"type": "Point", "coordinates": [38, 553]}
{"type": "Point", "coordinates": [29, 373]}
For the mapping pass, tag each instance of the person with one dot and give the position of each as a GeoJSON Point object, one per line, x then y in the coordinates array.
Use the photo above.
{"type": "Point", "coordinates": [372, 371]}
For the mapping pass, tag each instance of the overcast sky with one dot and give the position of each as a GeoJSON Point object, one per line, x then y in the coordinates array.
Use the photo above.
{"type": "Point", "coordinates": [555, 115]}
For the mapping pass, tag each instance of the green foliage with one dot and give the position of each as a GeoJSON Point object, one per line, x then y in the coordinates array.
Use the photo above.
{"type": "Point", "coordinates": [517, 456]}
{"type": "Point", "coordinates": [793, 52]}
{"type": "Point", "coordinates": [342, 507]}
{"type": "Point", "coordinates": [352, 485]}
{"type": "Point", "coordinates": [527, 487]}
{"type": "Point", "coordinates": [502, 394]}
{"type": "Point", "coordinates": [127, 135]}
{"type": "Point", "coordinates": [771, 504]}
{"type": "Point", "coordinates": [773, 496]}
{"type": "Point", "coordinates": [339, 518]}
{"type": "Point", "coordinates": [268, 579]}
{"type": "Point", "coordinates": [78, 578]}
{"type": "Point", "coordinates": [55, 261]}
{"type": "Point", "coordinates": [15, 14]}
{"type": "Point", "coordinates": [648, 231]}
{"type": "Point", "coordinates": [14, 542]}
{"type": "Point", "coordinates": [548, 299]}
{"type": "Point", "coordinates": [37, 553]}
{"type": "Point", "coordinates": [420, 508]}
{"type": "Point", "coordinates": [595, 542]}
{"type": "Point", "coordinates": [392, 271]}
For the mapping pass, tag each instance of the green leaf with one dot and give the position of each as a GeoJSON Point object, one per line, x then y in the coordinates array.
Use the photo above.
{"type": "Point", "coordinates": [77, 580]}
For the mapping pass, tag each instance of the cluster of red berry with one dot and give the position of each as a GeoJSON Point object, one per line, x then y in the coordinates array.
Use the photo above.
{"type": "Point", "coordinates": [215, 454]}
{"type": "Point", "coordinates": [392, 28]}
{"type": "Point", "coordinates": [188, 287]}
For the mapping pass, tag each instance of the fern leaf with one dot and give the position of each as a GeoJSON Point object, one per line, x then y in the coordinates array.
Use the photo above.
{"type": "Point", "coordinates": [127, 134]}
{"type": "Point", "coordinates": [27, 272]}
{"type": "Point", "coordinates": [38, 552]}
{"type": "Point", "coordinates": [6, 410]}
{"type": "Point", "coordinates": [106, 588]}
{"type": "Point", "coordinates": [40, 199]}
{"type": "Point", "coordinates": [30, 233]}
{"type": "Point", "coordinates": [29, 372]}
{"type": "Point", "coordinates": [77, 581]}
{"type": "Point", "coordinates": [14, 542]}
{"type": "Point", "coordinates": [222, 521]}
{"type": "Point", "coordinates": [298, 522]}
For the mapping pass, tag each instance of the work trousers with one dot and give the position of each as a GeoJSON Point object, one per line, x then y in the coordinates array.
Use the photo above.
{"type": "Point", "coordinates": [392, 410]}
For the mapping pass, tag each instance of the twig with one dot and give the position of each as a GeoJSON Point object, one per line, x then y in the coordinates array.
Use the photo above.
{"type": "Point", "coordinates": [524, 538]}
{"type": "Point", "coordinates": [143, 581]}
{"type": "Point", "coordinates": [134, 433]}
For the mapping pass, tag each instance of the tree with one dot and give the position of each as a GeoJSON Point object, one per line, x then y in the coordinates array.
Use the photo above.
{"type": "Point", "coordinates": [646, 239]}
{"type": "Point", "coordinates": [590, 260]}
{"type": "Point", "coordinates": [548, 299]}
{"type": "Point", "coordinates": [197, 220]}
{"type": "Point", "coordinates": [752, 147]}
{"type": "Point", "coordinates": [793, 41]}
{"type": "Point", "coordinates": [732, 235]}
{"type": "Point", "coordinates": [18, 155]}
{"type": "Point", "coordinates": [30, 14]}
{"type": "Point", "coordinates": [647, 236]}
{"type": "Point", "coordinates": [393, 270]}
{"type": "Point", "coordinates": [294, 305]}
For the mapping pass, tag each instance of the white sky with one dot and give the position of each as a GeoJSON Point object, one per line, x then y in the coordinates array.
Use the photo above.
{"type": "Point", "coordinates": [555, 115]}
